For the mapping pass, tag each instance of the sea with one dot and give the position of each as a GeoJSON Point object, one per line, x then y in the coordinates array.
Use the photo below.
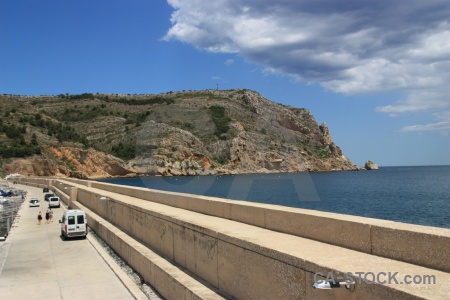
{"type": "Point", "coordinates": [417, 195]}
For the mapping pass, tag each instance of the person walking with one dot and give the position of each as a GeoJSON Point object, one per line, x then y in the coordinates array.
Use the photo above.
{"type": "Point", "coordinates": [39, 218]}
{"type": "Point", "coordinates": [47, 216]}
{"type": "Point", "coordinates": [51, 215]}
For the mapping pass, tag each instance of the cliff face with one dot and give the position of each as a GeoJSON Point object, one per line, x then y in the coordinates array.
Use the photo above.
{"type": "Point", "coordinates": [263, 137]}
{"type": "Point", "coordinates": [71, 162]}
{"type": "Point", "coordinates": [186, 133]}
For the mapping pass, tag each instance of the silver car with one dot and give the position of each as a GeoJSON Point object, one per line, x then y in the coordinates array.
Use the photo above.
{"type": "Point", "coordinates": [34, 202]}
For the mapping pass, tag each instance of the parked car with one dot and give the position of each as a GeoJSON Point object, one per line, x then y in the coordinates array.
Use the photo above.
{"type": "Point", "coordinates": [48, 196]}
{"type": "Point", "coordinates": [45, 190]}
{"type": "Point", "coordinates": [54, 202]}
{"type": "Point", "coordinates": [5, 193]}
{"type": "Point", "coordinates": [74, 224]}
{"type": "Point", "coordinates": [34, 202]}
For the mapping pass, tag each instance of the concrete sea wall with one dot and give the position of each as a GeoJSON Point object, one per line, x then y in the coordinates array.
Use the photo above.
{"type": "Point", "coordinates": [207, 247]}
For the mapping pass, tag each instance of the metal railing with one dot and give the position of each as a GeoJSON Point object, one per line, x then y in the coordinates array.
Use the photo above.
{"type": "Point", "coordinates": [9, 206]}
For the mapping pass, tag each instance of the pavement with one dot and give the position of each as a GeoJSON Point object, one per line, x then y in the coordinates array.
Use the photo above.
{"type": "Point", "coordinates": [36, 263]}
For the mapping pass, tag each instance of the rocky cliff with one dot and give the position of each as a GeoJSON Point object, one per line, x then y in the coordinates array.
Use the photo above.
{"type": "Point", "coordinates": [70, 161]}
{"type": "Point", "coordinates": [185, 133]}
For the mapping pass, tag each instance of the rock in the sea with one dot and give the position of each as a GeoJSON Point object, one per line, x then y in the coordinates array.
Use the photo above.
{"type": "Point", "coordinates": [370, 165]}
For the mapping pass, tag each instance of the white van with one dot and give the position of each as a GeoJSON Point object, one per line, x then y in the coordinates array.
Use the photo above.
{"type": "Point", "coordinates": [74, 223]}
{"type": "Point", "coordinates": [54, 202]}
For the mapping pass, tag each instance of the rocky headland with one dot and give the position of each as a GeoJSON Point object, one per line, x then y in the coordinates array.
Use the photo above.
{"type": "Point", "coordinates": [176, 133]}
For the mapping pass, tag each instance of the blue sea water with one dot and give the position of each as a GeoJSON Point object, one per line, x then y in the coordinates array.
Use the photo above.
{"type": "Point", "coordinates": [417, 195]}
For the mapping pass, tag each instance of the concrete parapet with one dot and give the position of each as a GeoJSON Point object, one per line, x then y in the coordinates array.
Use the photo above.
{"type": "Point", "coordinates": [380, 237]}
{"type": "Point", "coordinates": [77, 181]}
{"type": "Point", "coordinates": [284, 281]}
{"type": "Point", "coordinates": [37, 181]}
{"type": "Point", "coordinates": [62, 196]}
{"type": "Point", "coordinates": [63, 186]}
{"type": "Point", "coordinates": [249, 262]}
{"type": "Point", "coordinates": [170, 281]}
{"type": "Point", "coordinates": [230, 243]}
{"type": "Point", "coordinates": [73, 195]}
{"type": "Point", "coordinates": [426, 246]}
{"type": "Point", "coordinates": [336, 230]}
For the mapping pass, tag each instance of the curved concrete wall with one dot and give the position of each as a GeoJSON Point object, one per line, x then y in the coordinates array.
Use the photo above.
{"type": "Point", "coordinates": [389, 239]}
{"type": "Point", "coordinates": [206, 236]}
{"type": "Point", "coordinates": [239, 262]}
{"type": "Point", "coordinates": [399, 241]}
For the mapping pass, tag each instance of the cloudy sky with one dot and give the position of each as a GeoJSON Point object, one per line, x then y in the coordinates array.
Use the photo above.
{"type": "Point", "coordinates": [375, 71]}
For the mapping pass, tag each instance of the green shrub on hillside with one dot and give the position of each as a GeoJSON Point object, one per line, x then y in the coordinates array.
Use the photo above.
{"type": "Point", "coordinates": [62, 132]}
{"type": "Point", "coordinates": [220, 120]}
{"type": "Point", "coordinates": [136, 118]}
{"type": "Point", "coordinates": [12, 131]}
{"type": "Point", "coordinates": [16, 146]}
{"type": "Point", "coordinates": [149, 101]}
{"type": "Point", "coordinates": [78, 115]}
{"type": "Point", "coordinates": [223, 160]}
{"type": "Point", "coordinates": [18, 151]}
{"type": "Point", "coordinates": [78, 96]}
{"type": "Point", "coordinates": [124, 150]}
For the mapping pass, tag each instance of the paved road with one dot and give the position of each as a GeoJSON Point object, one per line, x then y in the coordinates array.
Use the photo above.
{"type": "Point", "coordinates": [35, 263]}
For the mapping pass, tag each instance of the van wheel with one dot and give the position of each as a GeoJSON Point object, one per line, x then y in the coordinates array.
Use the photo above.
{"type": "Point", "coordinates": [62, 236]}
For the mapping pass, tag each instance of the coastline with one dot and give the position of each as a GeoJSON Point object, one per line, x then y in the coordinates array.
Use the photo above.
{"type": "Point", "coordinates": [223, 173]}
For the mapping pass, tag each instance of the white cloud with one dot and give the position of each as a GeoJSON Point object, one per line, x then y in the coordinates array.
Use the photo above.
{"type": "Point", "coordinates": [347, 46]}
{"type": "Point", "coordinates": [229, 62]}
{"type": "Point", "coordinates": [442, 125]}
{"type": "Point", "coordinates": [420, 101]}
{"type": "Point", "coordinates": [428, 127]}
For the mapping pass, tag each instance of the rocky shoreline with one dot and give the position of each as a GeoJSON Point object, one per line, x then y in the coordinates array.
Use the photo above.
{"type": "Point", "coordinates": [91, 164]}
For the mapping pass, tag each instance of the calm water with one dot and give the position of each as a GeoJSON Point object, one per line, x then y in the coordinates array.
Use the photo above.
{"type": "Point", "coordinates": [418, 195]}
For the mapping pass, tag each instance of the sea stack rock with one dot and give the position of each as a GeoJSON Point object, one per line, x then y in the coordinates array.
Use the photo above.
{"type": "Point", "coordinates": [370, 165]}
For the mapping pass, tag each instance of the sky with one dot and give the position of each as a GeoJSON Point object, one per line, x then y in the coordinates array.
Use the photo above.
{"type": "Point", "coordinates": [377, 72]}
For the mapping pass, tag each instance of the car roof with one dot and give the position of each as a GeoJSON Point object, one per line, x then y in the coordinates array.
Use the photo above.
{"type": "Point", "coordinates": [75, 211]}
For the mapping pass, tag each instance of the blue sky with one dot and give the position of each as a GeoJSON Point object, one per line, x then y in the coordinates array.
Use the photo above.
{"type": "Point", "coordinates": [375, 71]}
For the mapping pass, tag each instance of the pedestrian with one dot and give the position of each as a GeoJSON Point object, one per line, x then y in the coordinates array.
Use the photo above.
{"type": "Point", "coordinates": [47, 216]}
{"type": "Point", "coordinates": [39, 217]}
{"type": "Point", "coordinates": [51, 215]}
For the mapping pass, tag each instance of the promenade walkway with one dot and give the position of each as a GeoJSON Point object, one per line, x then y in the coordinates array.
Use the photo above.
{"type": "Point", "coordinates": [35, 263]}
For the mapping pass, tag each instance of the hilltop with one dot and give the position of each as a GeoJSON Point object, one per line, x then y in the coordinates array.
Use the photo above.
{"type": "Point", "coordinates": [175, 133]}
